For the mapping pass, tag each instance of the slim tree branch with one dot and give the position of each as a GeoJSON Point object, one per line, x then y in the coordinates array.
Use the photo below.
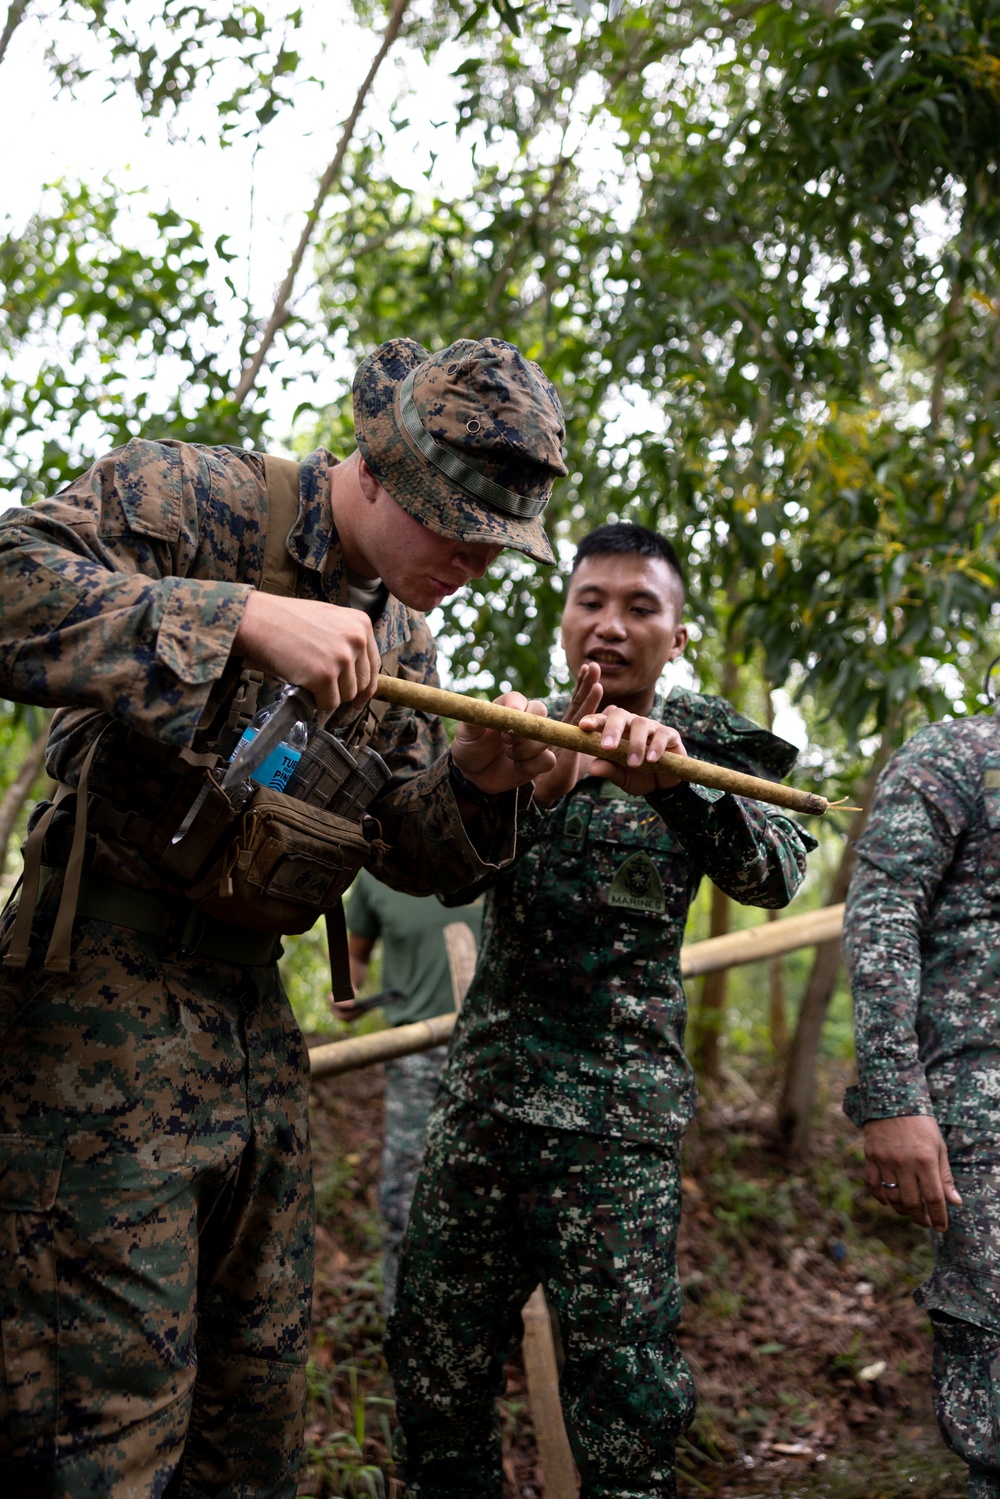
{"type": "Point", "coordinates": [280, 312]}
{"type": "Point", "coordinates": [15, 15]}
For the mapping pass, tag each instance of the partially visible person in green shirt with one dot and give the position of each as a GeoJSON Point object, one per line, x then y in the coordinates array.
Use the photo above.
{"type": "Point", "coordinates": [414, 964]}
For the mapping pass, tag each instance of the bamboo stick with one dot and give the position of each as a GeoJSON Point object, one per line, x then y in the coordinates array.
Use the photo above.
{"type": "Point", "coordinates": [381, 1046]}
{"type": "Point", "coordinates": [541, 1369]}
{"type": "Point", "coordinates": [766, 941]}
{"type": "Point", "coordinates": [758, 942]}
{"type": "Point", "coordinates": [567, 736]}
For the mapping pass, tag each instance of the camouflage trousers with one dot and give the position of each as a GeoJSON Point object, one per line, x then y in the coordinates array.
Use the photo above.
{"type": "Point", "coordinates": [155, 1227]}
{"type": "Point", "coordinates": [500, 1206]}
{"type": "Point", "coordinates": [963, 1300]}
{"type": "Point", "coordinates": [410, 1085]}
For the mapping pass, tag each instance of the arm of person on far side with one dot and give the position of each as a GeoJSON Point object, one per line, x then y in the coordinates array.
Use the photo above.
{"type": "Point", "coordinates": [904, 854]}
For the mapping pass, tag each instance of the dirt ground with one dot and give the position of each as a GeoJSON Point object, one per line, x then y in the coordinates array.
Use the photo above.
{"type": "Point", "coordinates": [812, 1362]}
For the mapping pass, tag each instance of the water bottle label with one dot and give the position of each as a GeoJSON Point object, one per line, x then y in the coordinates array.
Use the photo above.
{"type": "Point", "coordinates": [276, 770]}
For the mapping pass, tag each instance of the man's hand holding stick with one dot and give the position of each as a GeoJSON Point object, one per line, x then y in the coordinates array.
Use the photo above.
{"type": "Point", "coordinates": [566, 736]}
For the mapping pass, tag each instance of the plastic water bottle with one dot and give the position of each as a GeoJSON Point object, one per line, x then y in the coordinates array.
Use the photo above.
{"type": "Point", "coordinates": [277, 768]}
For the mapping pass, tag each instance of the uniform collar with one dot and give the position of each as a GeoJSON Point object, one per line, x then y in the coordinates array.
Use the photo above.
{"type": "Point", "coordinates": [315, 545]}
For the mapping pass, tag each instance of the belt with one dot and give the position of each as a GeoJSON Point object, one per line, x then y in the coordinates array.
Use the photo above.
{"type": "Point", "coordinates": [158, 915]}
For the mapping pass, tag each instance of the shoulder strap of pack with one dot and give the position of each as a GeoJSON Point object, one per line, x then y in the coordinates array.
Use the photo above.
{"type": "Point", "coordinates": [280, 572]}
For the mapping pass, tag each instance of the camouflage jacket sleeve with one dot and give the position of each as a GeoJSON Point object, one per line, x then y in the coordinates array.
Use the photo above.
{"type": "Point", "coordinates": [757, 857]}
{"type": "Point", "coordinates": [531, 826]}
{"type": "Point", "coordinates": [102, 602]}
{"type": "Point", "coordinates": [428, 849]}
{"type": "Point", "coordinates": [920, 808]}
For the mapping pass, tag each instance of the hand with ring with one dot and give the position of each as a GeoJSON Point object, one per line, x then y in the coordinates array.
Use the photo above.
{"type": "Point", "coordinates": [906, 1156]}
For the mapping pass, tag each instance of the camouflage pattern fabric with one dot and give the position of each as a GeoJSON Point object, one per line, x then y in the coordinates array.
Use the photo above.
{"type": "Point", "coordinates": [155, 1213]}
{"type": "Point", "coordinates": [410, 1087]}
{"type": "Point", "coordinates": [499, 1206]}
{"type": "Point", "coordinates": [123, 595]}
{"type": "Point", "coordinates": [567, 1172]}
{"type": "Point", "coordinates": [922, 940]}
{"type": "Point", "coordinates": [963, 1299]}
{"type": "Point", "coordinates": [157, 1199]}
{"type": "Point", "coordinates": [483, 413]}
{"type": "Point", "coordinates": [922, 932]}
{"type": "Point", "coordinates": [577, 1010]}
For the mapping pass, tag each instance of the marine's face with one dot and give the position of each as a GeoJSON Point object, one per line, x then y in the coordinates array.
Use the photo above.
{"type": "Point", "coordinates": [416, 564]}
{"type": "Point", "coordinates": [624, 613]}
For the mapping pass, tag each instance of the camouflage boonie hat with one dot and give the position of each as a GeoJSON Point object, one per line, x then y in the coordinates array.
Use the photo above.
{"type": "Point", "coordinates": [468, 441]}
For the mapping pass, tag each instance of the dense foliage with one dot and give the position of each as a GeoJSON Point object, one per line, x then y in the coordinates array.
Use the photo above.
{"type": "Point", "coordinates": [755, 244]}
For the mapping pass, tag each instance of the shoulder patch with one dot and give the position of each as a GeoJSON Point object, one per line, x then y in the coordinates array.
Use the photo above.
{"type": "Point", "coordinates": [637, 885]}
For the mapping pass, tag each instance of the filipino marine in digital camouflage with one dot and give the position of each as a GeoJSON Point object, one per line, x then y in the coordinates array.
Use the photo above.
{"type": "Point", "coordinates": [602, 1215]}
{"type": "Point", "coordinates": [928, 1018]}
{"type": "Point", "coordinates": [576, 1016]}
{"type": "Point", "coordinates": [922, 939]}
{"type": "Point", "coordinates": [604, 1053]}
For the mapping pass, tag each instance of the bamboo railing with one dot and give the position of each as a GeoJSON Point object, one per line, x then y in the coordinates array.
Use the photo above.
{"type": "Point", "coordinates": [766, 941]}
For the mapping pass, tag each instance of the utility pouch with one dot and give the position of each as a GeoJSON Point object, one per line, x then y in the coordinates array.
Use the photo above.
{"type": "Point", "coordinates": [286, 862]}
{"type": "Point", "coordinates": [186, 859]}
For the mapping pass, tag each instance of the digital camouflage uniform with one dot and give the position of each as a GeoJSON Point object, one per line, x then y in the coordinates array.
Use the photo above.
{"type": "Point", "coordinates": [553, 1150]}
{"type": "Point", "coordinates": [922, 938]}
{"type": "Point", "coordinates": [155, 1175]}
{"type": "Point", "coordinates": [415, 964]}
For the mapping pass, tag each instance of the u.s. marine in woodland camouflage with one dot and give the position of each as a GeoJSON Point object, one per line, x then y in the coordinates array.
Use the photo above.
{"type": "Point", "coordinates": [553, 1150]}
{"type": "Point", "coordinates": [155, 1182]}
{"type": "Point", "coordinates": [922, 937]}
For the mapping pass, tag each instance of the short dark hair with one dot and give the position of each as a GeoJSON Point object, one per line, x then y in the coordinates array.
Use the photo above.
{"type": "Point", "coordinates": [624, 538]}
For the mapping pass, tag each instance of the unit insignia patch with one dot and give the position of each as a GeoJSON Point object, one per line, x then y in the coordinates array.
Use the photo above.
{"type": "Point", "coordinates": [637, 886]}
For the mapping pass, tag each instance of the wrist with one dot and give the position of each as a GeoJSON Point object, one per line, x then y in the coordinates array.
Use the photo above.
{"type": "Point", "coordinates": [467, 790]}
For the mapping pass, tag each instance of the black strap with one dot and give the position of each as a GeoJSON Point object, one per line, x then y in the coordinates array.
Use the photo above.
{"type": "Point", "coordinates": [340, 958]}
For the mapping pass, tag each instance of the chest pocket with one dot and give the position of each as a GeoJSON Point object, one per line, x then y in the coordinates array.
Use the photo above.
{"type": "Point", "coordinates": [618, 850]}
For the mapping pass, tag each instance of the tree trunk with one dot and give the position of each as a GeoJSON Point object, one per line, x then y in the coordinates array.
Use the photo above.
{"type": "Point", "coordinates": [799, 1093]}
{"type": "Point", "coordinates": [15, 15]}
{"type": "Point", "coordinates": [17, 793]}
{"type": "Point", "coordinates": [713, 998]}
{"type": "Point", "coordinates": [708, 1026]}
{"type": "Point", "coordinates": [776, 1018]}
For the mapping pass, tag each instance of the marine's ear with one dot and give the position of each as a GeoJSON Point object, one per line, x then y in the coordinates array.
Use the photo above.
{"type": "Point", "coordinates": [368, 481]}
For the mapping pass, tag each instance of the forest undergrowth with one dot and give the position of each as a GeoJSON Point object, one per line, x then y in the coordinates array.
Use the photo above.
{"type": "Point", "coordinates": [811, 1360]}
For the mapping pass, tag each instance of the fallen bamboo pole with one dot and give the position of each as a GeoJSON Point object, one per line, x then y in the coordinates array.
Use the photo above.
{"type": "Point", "coordinates": [542, 1372]}
{"type": "Point", "coordinates": [567, 736]}
{"type": "Point", "coordinates": [766, 941]}
{"type": "Point", "coordinates": [381, 1046]}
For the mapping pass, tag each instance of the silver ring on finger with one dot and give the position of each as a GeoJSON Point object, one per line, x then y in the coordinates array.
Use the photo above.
{"type": "Point", "coordinates": [890, 1186]}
